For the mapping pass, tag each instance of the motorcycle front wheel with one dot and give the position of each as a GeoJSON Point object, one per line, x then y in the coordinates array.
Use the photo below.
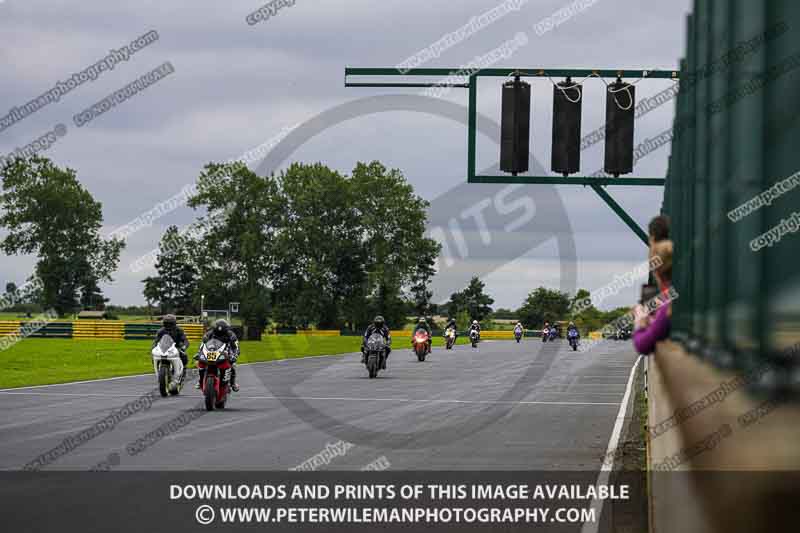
{"type": "Point", "coordinates": [163, 380]}
{"type": "Point", "coordinates": [372, 366]}
{"type": "Point", "coordinates": [211, 393]}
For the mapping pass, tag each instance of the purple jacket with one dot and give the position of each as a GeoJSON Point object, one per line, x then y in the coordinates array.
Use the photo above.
{"type": "Point", "coordinates": [645, 339]}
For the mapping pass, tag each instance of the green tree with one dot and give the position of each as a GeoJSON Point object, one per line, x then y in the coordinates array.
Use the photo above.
{"type": "Point", "coordinates": [463, 320]}
{"type": "Point", "coordinates": [319, 272]}
{"type": "Point", "coordinates": [47, 212]}
{"type": "Point", "coordinates": [154, 292]}
{"type": "Point", "coordinates": [581, 302]}
{"type": "Point", "coordinates": [473, 300]}
{"type": "Point", "coordinates": [424, 271]}
{"type": "Point", "coordinates": [243, 214]}
{"type": "Point", "coordinates": [504, 314]}
{"type": "Point", "coordinates": [177, 273]}
{"type": "Point", "coordinates": [392, 219]}
{"type": "Point", "coordinates": [312, 246]}
{"type": "Point", "coordinates": [543, 305]}
{"type": "Point", "coordinates": [349, 246]}
{"type": "Point", "coordinates": [91, 297]}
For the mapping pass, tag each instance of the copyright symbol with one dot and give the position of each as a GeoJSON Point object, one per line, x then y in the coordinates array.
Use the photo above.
{"type": "Point", "coordinates": [204, 515]}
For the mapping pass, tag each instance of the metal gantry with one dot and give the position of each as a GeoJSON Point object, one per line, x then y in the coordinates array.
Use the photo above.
{"type": "Point", "coordinates": [597, 184]}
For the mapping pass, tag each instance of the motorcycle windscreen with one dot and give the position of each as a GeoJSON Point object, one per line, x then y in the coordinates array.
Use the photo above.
{"type": "Point", "coordinates": [375, 342]}
{"type": "Point", "coordinates": [166, 343]}
{"type": "Point", "coordinates": [214, 345]}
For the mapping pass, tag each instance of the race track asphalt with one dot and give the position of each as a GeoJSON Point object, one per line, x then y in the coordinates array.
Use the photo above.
{"type": "Point", "coordinates": [502, 406]}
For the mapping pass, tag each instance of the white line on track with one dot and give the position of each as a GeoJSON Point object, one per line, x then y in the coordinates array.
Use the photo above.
{"type": "Point", "coordinates": [319, 398]}
{"type": "Point", "coordinates": [589, 393]}
{"type": "Point", "coordinates": [608, 466]}
{"type": "Point", "coordinates": [149, 373]}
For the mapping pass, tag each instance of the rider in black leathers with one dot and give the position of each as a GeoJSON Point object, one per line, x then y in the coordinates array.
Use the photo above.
{"type": "Point", "coordinates": [451, 323]}
{"type": "Point", "coordinates": [378, 325]}
{"type": "Point", "coordinates": [222, 331]}
{"type": "Point", "coordinates": [170, 327]}
{"type": "Point", "coordinates": [477, 327]}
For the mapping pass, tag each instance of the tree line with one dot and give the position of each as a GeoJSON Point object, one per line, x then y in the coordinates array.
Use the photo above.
{"type": "Point", "coordinates": [541, 305]}
{"type": "Point", "coordinates": [307, 247]}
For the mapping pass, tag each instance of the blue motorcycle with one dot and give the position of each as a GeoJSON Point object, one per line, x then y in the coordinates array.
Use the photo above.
{"type": "Point", "coordinates": [572, 336]}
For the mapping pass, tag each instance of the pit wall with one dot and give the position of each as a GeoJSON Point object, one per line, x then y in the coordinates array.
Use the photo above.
{"type": "Point", "coordinates": [707, 472]}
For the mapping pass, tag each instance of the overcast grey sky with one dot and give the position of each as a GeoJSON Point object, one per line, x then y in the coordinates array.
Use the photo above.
{"type": "Point", "coordinates": [236, 86]}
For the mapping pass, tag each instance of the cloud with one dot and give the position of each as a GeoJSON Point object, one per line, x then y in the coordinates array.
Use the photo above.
{"type": "Point", "coordinates": [236, 85]}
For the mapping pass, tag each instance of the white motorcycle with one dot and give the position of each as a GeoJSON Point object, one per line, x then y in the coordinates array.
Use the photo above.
{"type": "Point", "coordinates": [168, 366]}
{"type": "Point", "coordinates": [474, 337]}
{"type": "Point", "coordinates": [450, 337]}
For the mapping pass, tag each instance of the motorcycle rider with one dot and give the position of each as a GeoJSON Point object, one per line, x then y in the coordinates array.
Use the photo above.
{"type": "Point", "coordinates": [451, 323]}
{"type": "Point", "coordinates": [554, 331]}
{"type": "Point", "coordinates": [169, 326]}
{"type": "Point", "coordinates": [476, 327]}
{"type": "Point", "coordinates": [572, 327]}
{"type": "Point", "coordinates": [378, 325]}
{"type": "Point", "coordinates": [519, 327]}
{"type": "Point", "coordinates": [222, 331]}
{"type": "Point", "coordinates": [422, 325]}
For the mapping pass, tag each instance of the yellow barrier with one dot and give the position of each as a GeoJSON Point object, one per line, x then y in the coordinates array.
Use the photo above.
{"type": "Point", "coordinates": [9, 327]}
{"type": "Point", "coordinates": [194, 332]}
{"type": "Point", "coordinates": [320, 333]}
{"type": "Point", "coordinates": [497, 335]}
{"type": "Point", "coordinates": [595, 335]}
{"type": "Point", "coordinates": [91, 329]}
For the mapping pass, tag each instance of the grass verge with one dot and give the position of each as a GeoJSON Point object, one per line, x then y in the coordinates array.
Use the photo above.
{"type": "Point", "coordinates": [49, 361]}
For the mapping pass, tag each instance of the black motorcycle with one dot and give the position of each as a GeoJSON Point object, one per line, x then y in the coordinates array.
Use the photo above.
{"type": "Point", "coordinates": [375, 354]}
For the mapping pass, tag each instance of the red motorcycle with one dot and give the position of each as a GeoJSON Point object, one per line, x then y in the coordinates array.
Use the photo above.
{"type": "Point", "coordinates": [421, 344]}
{"type": "Point", "coordinates": [215, 360]}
